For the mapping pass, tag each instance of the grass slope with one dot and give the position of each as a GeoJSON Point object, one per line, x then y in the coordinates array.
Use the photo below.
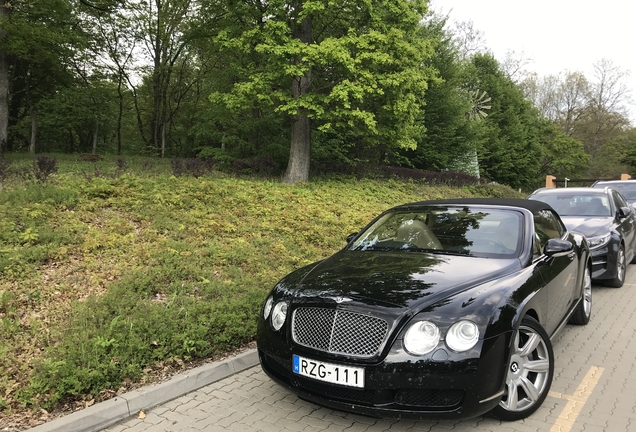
{"type": "Point", "coordinates": [104, 275]}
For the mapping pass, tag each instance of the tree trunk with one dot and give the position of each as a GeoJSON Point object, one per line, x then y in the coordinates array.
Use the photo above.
{"type": "Point", "coordinates": [163, 140]}
{"type": "Point", "coordinates": [120, 114]}
{"type": "Point", "coordinates": [95, 134]}
{"type": "Point", "coordinates": [71, 141]}
{"type": "Point", "coordinates": [4, 83]}
{"type": "Point", "coordinates": [34, 130]}
{"type": "Point", "coordinates": [300, 151]}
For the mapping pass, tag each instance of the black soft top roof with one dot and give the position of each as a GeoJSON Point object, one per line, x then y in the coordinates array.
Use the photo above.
{"type": "Point", "coordinates": [533, 205]}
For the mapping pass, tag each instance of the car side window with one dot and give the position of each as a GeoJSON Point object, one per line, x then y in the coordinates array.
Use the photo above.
{"type": "Point", "coordinates": [536, 246]}
{"type": "Point", "coordinates": [619, 201]}
{"type": "Point", "coordinates": [546, 227]}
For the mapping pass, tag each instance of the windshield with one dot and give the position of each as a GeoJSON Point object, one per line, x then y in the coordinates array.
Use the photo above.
{"type": "Point", "coordinates": [628, 190]}
{"type": "Point", "coordinates": [577, 204]}
{"type": "Point", "coordinates": [494, 233]}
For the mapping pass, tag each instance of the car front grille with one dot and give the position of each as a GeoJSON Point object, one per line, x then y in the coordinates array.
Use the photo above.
{"type": "Point", "coordinates": [429, 398]}
{"type": "Point", "coordinates": [365, 397]}
{"type": "Point", "coordinates": [338, 332]}
{"type": "Point", "coordinates": [412, 399]}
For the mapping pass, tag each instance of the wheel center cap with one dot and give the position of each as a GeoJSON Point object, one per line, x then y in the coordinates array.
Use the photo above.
{"type": "Point", "coordinates": [514, 367]}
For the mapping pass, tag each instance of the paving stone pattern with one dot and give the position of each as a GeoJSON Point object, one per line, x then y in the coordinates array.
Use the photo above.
{"type": "Point", "coordinates": [594, 389]}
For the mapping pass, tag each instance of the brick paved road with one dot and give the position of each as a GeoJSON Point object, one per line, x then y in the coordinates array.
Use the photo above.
{"type": "Point", "coordinates": [594, 389]}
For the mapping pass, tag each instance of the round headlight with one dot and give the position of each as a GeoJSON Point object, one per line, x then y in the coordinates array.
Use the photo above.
{"type": "Point", "coordinates": [267, 308]}
{"type": "Point", "coordinates": [278, 315]}
{"type": "Point", "coordinates": [462, 336]}
{"type": "Point", "coordinates": [421, 338]}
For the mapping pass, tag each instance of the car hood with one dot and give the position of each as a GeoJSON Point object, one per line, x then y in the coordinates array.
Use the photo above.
{"type": "Point", "coordinates": [588, 226]}
{"type": "Point", "coordinates": [398, 280]}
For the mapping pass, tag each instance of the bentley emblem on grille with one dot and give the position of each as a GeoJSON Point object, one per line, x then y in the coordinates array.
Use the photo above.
{"type": "Point", "coordinates": [341, 299]}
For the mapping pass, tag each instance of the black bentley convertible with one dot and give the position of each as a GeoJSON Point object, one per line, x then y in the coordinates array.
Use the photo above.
{"type": "Point", "coordinates": [435, 309]}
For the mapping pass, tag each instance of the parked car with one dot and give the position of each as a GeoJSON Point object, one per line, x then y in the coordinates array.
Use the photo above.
{"type": "Point", "coordinates": [627, 188]}
{"type": "Point", "coordinates": [438, 309]}
{"type": "Point", "coordinates": [606, 219]}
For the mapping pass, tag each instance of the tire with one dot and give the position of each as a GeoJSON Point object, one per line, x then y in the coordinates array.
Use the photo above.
{"type": "Point", "coordinates": [583, 311]}
{"type": "Point", "coordinates": [530, 372]}
{"type": "Point", "coordinates": [621, 266]}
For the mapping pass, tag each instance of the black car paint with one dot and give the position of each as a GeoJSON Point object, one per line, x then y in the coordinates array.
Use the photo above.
{"type": "Point", "coordinates": [621, 223]}
{"type": "Point", "coordinates": [495, 294]}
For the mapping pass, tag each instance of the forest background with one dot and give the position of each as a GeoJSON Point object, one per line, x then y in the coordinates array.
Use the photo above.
{"type": "Point", "coordinates": [296, 88]}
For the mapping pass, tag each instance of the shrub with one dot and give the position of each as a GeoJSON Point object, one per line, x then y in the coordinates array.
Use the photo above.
{"type": "Point", "coordinates": [262, 165]}
{"type": "Point", "coordinates": [195, 167]}
{"type": "Point", "coordinates": [241, 167]}
{"type": "Point", "coordinates": [44, 166]}
{"type": "Point", "coordinates": [89, 157]}
{"type": "Point", "coordinates": [192, 166]}
{"type": "Point", "coordinates": [121, 164]}
{"type": "Point", "coordinates": [4, 170]}
{"type": "Point", "coordinates": [436, 178]}
{"type": "Point", "coordinates": [178, 167]}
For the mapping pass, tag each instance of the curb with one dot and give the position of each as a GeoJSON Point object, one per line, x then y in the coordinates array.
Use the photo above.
{"type": "Point", "coordinates": [109, 412]}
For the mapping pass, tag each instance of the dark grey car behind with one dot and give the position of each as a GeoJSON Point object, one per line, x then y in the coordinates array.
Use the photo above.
{"type": "Point", "coordinates": [605, 218]}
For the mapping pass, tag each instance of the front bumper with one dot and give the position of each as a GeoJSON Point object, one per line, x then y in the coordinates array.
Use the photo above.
{"type": "Point", "coordinates": [441, 385]}
{"type": "Point", "coordinates": [604, 261]}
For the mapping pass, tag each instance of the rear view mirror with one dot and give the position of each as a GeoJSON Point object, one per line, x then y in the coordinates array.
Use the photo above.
{"type": "Point", "coordinates": [557, 247]}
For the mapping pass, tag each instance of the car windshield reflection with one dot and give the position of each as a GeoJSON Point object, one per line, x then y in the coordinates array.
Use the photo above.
{"type": "Point", "coordinates": [586, 204]}
{"type": "Point", "coordinates": [480, 232]}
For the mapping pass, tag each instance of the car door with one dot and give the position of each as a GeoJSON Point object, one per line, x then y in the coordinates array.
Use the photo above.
{"type": "Point", "coordinates": [559, 272]}
{"type": "Point", "coordinates": [626, 225]}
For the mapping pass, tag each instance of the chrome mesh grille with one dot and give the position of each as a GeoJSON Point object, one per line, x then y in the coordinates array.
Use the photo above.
{"type": "Point", "coordinates": [338, 332]}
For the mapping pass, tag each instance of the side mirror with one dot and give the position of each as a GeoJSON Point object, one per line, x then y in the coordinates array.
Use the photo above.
{"type": "Point", "coordinates": [557, 247]}
{"type": "Point", "coordinates": [623, 212]}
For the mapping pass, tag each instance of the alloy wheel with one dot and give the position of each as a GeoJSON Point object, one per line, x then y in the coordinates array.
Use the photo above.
{"type": "Point", "coordinates": [587, 293]}
{"type": "Point", "coordinates": [530, 371]}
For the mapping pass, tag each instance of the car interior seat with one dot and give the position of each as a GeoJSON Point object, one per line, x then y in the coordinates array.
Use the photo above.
{"type": "Point", "coordinates": [417, 233]}
{"type": "Point", "coordinates": [596, 208]}
{"type": "Point", "coordinates": [507, 233]}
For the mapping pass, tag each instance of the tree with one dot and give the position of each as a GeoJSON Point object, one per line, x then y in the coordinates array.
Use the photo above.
{"type": "Point", "coordinates": [468, 39]}
{"type": "Point", "coordinates": [514, 64]}
{"type": "Point", "coordinates": [449, 134]}
{"type": "Point", "coordinates": [345, 66]}
{"type": "Point", "coordinates": [627, 143]}
{"type": "Point", "coordinates": [560, 98]}
{"type": "Point", "coordinates": [5, 12]}
{"type": "Point", "coordinates": [605, 115]}
{"type": "Point", "coordinates": [41, 38]}
{"type": "Point", "coordinates": [561, 155]}
{"type": "Point", "coordinates": [511, 148]}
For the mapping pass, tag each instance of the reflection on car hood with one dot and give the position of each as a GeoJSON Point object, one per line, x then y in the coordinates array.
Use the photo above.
{"type": "Point", "coordinates": [398, 279]}
{"type": "Point", "coordinates": [588, 226]}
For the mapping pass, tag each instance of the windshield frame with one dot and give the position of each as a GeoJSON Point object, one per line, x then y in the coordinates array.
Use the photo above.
{"type": "Point", "coordinates": [451, 219]}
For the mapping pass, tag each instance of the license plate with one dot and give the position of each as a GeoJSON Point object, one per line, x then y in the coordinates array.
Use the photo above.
{"type": "Point", "coordinates": [329, 372]}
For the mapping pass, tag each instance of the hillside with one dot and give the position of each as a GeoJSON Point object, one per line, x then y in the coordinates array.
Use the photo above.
{"type": "Point", "coordinates": [111, 278]}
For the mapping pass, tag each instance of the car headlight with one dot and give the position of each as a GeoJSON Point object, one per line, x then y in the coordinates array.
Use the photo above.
{"type": "Point", "coordinates": [267, 308]}
{"type": "Point", "coordinates": [278, 315]}
{"type": "Point", "coordinates": [598, 241]}
{"type": "Point", "coordinates": [421, 338]}
{"type": "Point", "coordinates": [462, 336]}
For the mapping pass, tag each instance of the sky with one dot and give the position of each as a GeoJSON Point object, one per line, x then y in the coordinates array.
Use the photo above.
{"type": "Point", "coordinates": [557, 35]}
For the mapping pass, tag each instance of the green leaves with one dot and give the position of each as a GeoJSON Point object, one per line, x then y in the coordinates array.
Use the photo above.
{"type": "Point", "coordinates": [365, 61]}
